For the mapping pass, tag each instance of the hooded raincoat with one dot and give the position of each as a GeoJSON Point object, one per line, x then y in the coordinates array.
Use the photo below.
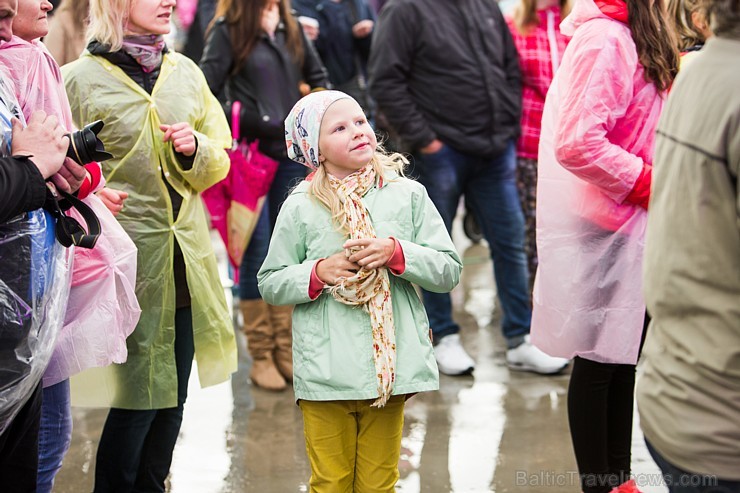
{"type": "Point", "coordinates": [94, 334]}
{"type": "Point", "coordinates": [98, 89]}
{"type": "Point", "coordinates": [598, 131]}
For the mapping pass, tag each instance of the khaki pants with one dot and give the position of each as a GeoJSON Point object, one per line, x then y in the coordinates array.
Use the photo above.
{"type": "Point", "coordinates": [353, 447]}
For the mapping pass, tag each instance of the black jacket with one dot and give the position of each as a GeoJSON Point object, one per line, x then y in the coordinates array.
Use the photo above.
{"type": "Point", "coordinates": [339, 49]}
{"type": "Point", "coordinates": [266, 84]}
{"type": "Point", "coordinates": [448, 70]}
{"type": "Point", "coordinates": [22, 187]}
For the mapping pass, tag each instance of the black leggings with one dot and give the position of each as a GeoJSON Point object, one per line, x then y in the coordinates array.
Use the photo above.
{"type": "Point", "coordinates": [600, 402]}
{"type": "Point", "coordinates": [600, 406]}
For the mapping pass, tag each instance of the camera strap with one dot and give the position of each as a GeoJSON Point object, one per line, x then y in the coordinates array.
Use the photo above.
{"type": "Point", "coordinates": [68, 231]}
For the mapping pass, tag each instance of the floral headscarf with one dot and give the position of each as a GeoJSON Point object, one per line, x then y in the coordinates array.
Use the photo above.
{"type": "Point", "coordinates": [303, 123]}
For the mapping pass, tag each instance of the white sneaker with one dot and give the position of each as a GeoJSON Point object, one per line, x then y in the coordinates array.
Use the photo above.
{"type": "Point", "coordinates": [451, 357]}
{"type": "Point", "coordinates": [527, 357]}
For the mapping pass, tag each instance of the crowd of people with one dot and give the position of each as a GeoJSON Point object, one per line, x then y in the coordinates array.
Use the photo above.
{"type": "Point", "coordinates": [596, 143]}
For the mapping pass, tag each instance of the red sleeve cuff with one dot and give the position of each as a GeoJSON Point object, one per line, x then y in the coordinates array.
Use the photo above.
{"type": "Point", "coordinates": [316, 285]}
{"type": "Point", "coordinates": [90, 183]}
{"type": "Point", "coordinates": [397, 263]}
{"type": "Point", "coordinates": [640, 194]}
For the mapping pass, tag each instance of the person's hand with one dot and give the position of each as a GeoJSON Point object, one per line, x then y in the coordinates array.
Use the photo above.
{"type": "Point", "coordinates": [372, 252]}
{"type": "Point", "coordinates": [181, 135]}
{"type": "Point", "coordinates": [270, 19]}
{"type": "Point", "coordinates": [363, 29]}
{"type": "Point", "coordinates": [435, 146]}
{"type": "Point", "coordinates": [113, 199]}
{"type": "Point", "coordinates": [310, 27]}
{"type": "Point", "coordinates": [70, 176]}
{"type": "Point", "coordinates": [336, 267]}
{"type": "Point", "coordinates": [43, 139]}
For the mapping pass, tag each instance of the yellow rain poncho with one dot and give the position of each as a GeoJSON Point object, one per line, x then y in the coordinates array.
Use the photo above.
{"type": "Point", "coordinates": [98, 89]}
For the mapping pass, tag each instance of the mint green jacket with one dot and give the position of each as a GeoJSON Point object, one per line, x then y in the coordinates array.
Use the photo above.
{"type": "Point", "coordinates": [332, 342]}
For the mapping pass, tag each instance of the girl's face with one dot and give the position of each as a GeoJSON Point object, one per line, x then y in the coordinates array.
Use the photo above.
{"type": "Point", "coordinates": [30, 22]}
{"type": "Point", "coordinates": [346, 141]}
{"type": "Point", "coordinates": [149, 16]}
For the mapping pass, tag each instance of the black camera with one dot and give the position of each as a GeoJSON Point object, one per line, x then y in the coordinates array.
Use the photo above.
{"type": "Point", "coordinates": [85, 146]}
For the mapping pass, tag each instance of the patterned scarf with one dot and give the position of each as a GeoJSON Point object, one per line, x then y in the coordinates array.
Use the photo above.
{"type": "Point", "coordinates": [369, 289]}
{"type": "Point", "coordinates": [145, 49]}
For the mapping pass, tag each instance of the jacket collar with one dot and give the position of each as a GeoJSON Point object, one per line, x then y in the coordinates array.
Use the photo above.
{"type": "Point", "coordinates": [382, 182]}
{"type": "Point", "coordinates": [616, 9]}
{"type": "Point", "coordinates": [120, 57]}
{"type": "Point", "coordinates": [586, 10]}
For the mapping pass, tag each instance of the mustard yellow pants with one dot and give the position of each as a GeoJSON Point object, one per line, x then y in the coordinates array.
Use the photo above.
{"type": "Point", "coordinates": [352, 447]}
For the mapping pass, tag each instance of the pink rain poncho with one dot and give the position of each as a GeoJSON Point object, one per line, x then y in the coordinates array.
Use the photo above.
{"type": "Point", "coordinates": [598, 131]}
{"type": "Point", "coordinates": [102, 309]}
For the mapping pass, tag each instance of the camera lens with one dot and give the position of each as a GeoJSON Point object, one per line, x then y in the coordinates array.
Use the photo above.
{"type": "Point", "coordinates": [85, 146]}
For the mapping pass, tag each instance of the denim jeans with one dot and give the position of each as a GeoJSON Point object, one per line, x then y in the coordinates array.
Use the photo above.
{"type": "Point", "coordinates": [55, 433]}
{"type": "Point", "coordinates": [288, 175]}
{"type": "Point", "coordinates": [489, 186]}
{"type": "Point", "coordinates": [135, 450]}
{"type": "Point", "coordinates": [680, 481]}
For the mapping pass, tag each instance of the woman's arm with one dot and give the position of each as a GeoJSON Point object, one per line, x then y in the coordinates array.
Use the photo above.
{"type": "Point", "coordinates": [598, 95]}
{"type": "Point", "coordinates": [211, 131]}
{"type": "Point", "coordinates": [217, 59]}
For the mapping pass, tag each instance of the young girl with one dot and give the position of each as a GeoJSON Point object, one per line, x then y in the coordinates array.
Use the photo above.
{"type": "Point", "coordinates": [596, 148]}
{"type": "Point", "coordinates": [257, 54]}
{"type": "Point", "coordinates": [348, 244]}
{"type": "Point", "coordinates": [168, 134]}
{"type": "Point", "coordinates": [540, 44]}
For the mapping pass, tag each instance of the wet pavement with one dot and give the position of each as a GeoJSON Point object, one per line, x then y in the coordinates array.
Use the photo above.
{"type": "Point", "coordinates": [495, 431]}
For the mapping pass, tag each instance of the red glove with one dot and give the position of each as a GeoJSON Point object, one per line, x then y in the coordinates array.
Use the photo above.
{"type": "Point", "coordinates": [640, 194]}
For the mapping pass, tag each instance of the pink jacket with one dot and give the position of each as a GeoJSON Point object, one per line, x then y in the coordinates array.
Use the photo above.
{"type": "Point", "coordinates": [597, 139]}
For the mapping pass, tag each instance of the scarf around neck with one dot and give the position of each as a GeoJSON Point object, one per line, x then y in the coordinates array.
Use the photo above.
{"type": "Point", "coordinates": [145, 49]}
{"type": "Point", "coordinates": [369, 289]}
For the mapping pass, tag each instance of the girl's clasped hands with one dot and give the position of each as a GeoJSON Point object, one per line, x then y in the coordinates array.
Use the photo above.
{"type": "Point", "coordinates": [367, 253]}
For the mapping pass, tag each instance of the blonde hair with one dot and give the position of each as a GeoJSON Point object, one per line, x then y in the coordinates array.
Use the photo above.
{"type": "Point", "coordinates": [107, 21]}
{"type": "Point", "coordinates": [321, 190]}
{"type": "Point", "coordinates": [526, 18]}
{"type": "Point", "coordinates": [680, 12]}
{"type": "Point", "coordinates": [79, 12]}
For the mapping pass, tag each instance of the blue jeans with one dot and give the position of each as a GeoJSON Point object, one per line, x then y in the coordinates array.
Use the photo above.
{"type": "Point", "coordinates": [680, 481]}
{"type": "Point", "coordinates": [489, 186]}
{"type": "Point", "coordinates": [55, 433]}
{"type": "Point", "coordinates": [135, 450]}
{"type": "Point", "coordinates": [288, 175]}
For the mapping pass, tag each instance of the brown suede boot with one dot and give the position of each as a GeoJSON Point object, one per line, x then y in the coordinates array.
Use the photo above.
{"type": "Point", "coordinates": [260, 343]}
{"type": "Point", "coordinates": [282, 323]}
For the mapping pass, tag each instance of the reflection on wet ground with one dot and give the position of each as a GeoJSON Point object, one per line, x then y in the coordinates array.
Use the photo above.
{"type": "Point", "coordinates": [495, 431]}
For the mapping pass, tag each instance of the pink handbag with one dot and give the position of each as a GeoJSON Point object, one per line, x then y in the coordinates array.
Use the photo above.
{"type": "Point", "coordinates": [235, 203]}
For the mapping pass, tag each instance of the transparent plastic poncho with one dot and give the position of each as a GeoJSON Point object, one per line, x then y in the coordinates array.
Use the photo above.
{"type": "Point", "coordinates": [34, 285]}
